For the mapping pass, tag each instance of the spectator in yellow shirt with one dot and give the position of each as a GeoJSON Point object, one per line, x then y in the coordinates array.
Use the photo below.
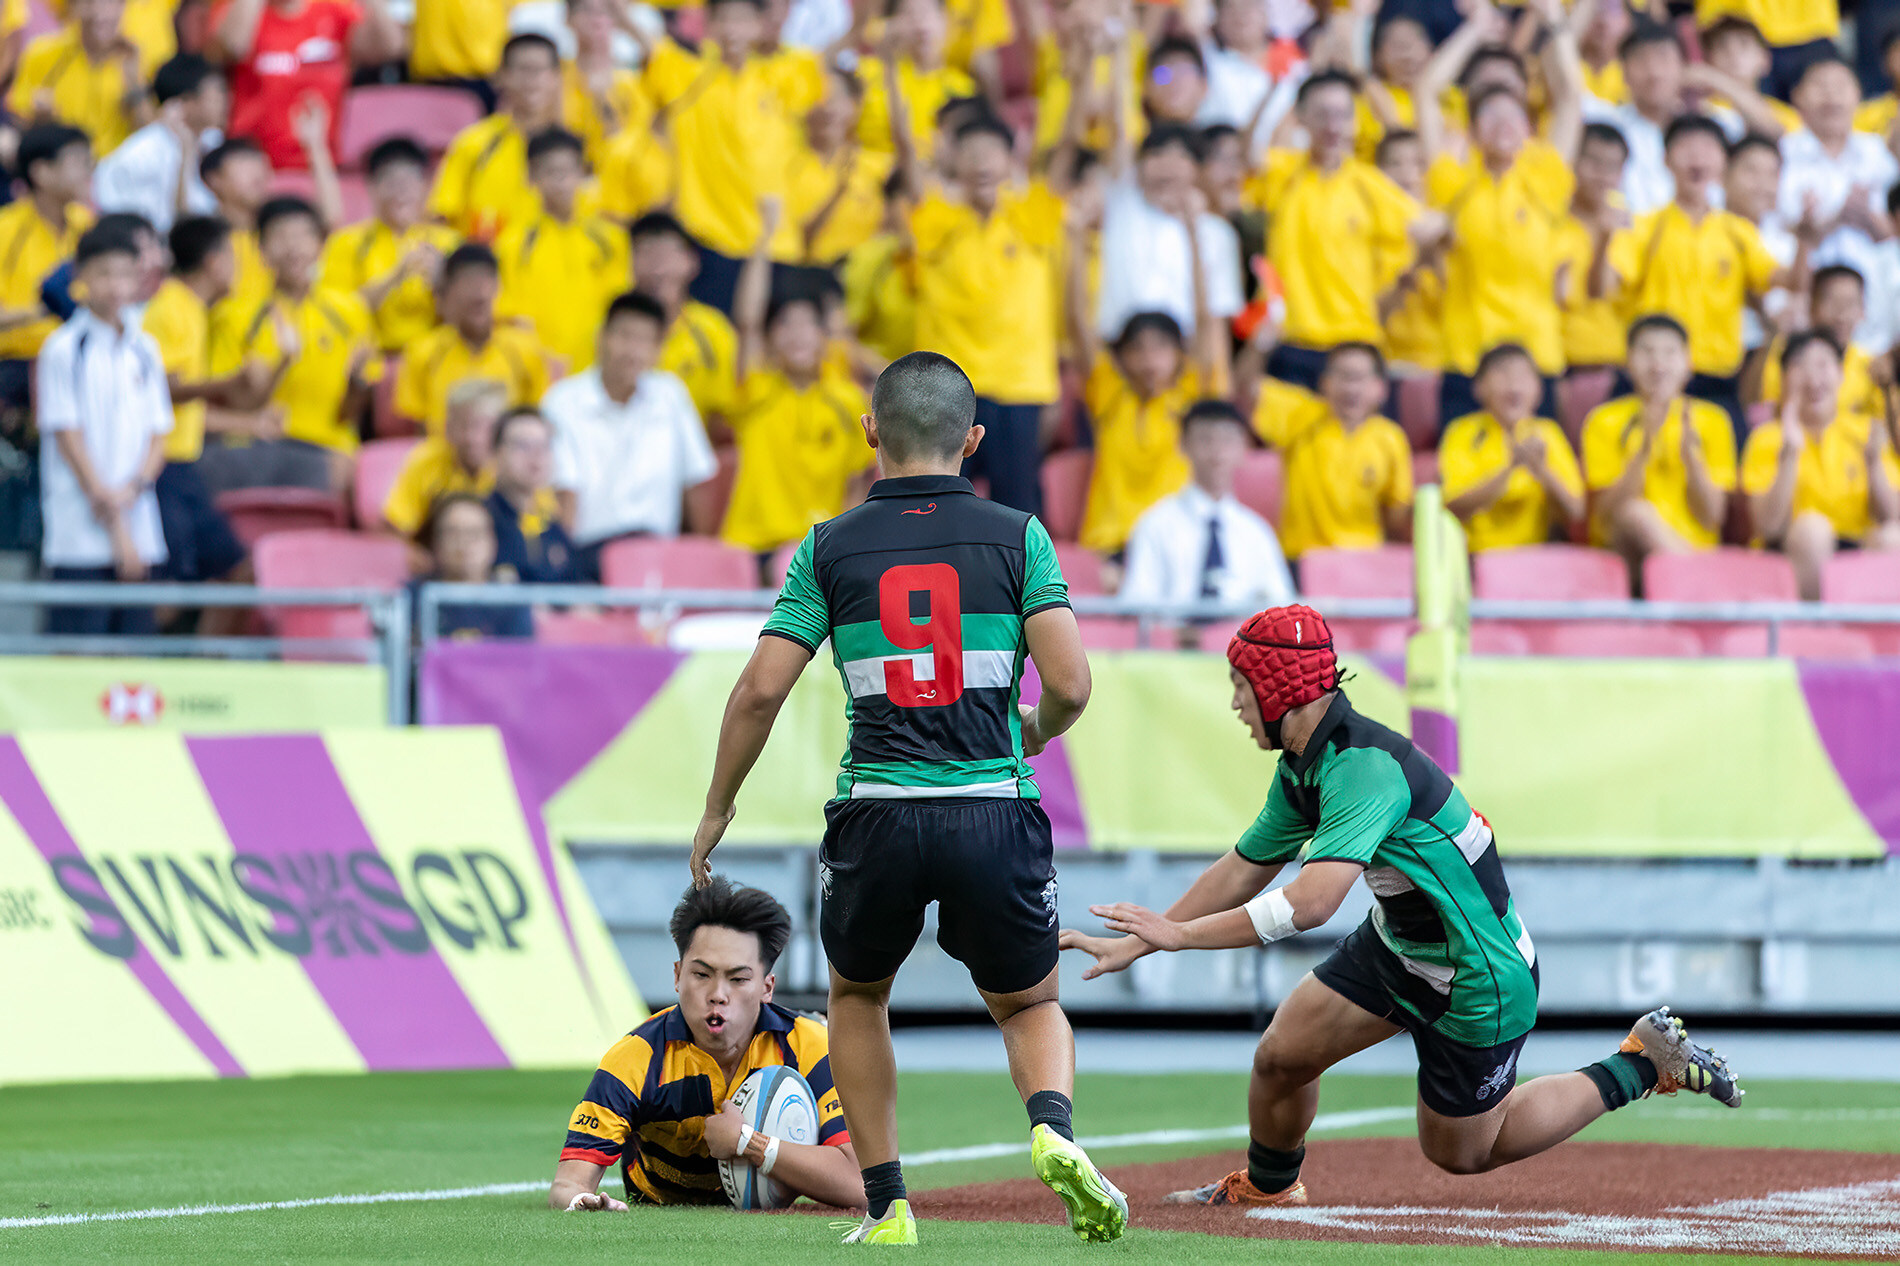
{"type": "Point", "coordinates": [835, 189]}
{"type": "Point", "coordinates": [238, 174]}
{"type": "Point", "coordinates": [1414, 306]}
{"type": "Point", "coordinates": [85, 74]}
{"type": "Point", "coordinates": [1509, 475]}
{"type": "Point", "coordinates": [1734, 47]}
{"type": "Point", "coordinates": [600, 99]}
{"type": "Point", "coordinates": [1837, 304]}
{"type": "Point", "coordinates": [1400, 48]}
{"type": "Point", "coordinates": [482, 185]}
{"type": "Point", "coordinates": [1603, 24]}
{"type": "Point", "coordinates": [1659, 464]}
{"type": "Point", "coordinates": [459, 42]}
{"type": "Point", "coordinates": [38, 233]}
{"type": "Point", "coordinates": [1348, 469]}
{"type": "Point", "coordinates": [1880, 114]}
{"type": "Point", "coordinates": [1592, 324]}
{"type": "Point", "coordinates": [461, 459]}
{"type": "Point", "coordinates": [880, 286]}
{"type": "Point", "coordinates": [1797, 30]}
{"type": "Point", "coordinates": [561, 269]}
{"type": "Point", "coordinates": [914, 33]}
{"type": "Point", "coordinates": [391, 259]}
{"type": "Point", "coordinates": [698, 344]}
{"type": "Point", "coordinates": [468, 343]}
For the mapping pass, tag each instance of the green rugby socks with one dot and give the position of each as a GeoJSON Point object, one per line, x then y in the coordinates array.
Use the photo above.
{"type": "Point", "coordinates": [1621, 1078]}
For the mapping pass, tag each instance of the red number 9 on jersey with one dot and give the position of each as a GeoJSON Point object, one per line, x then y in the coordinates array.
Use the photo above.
{"type": "Point", "coordinates": [942, 633]}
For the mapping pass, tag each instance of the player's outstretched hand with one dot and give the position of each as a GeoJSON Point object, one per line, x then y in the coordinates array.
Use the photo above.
{"type": "Point", "coordinates": [1125, 916]}
{"type": "Point", "coordinates": [596, 1202]}
{"type": "Point", "coordinates": [711, 828]}
{"type": "Point", "coordinates": [1112, 953]}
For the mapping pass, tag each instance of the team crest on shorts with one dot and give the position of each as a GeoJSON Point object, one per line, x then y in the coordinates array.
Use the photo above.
{"type": "Point", "coordinates": [1049, 900]}
{"type": "Point", "coordinates": [824, 877]}
{"type": "Point", "coordinates": [1495, 1082]}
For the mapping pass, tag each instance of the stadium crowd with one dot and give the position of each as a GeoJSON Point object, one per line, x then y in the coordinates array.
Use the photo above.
{"type": "Point", "coordinates": [1621, 277]}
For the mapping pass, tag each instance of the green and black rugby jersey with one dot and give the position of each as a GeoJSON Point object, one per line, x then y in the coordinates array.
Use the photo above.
{"type": "Point", "coordinates": [923, 591]}
{"type": "Point", "coordinates": [1363, 793]}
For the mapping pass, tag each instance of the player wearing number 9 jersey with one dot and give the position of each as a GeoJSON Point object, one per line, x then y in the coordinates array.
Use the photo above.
{"type": "Point", "coordinates": [933, 600]}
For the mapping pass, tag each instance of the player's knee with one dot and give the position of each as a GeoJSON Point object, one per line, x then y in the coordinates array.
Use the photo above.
{"type": "Point", "coordinates": [1284, 1064]}
{"type": "Point", "coordinates": [1456, 1157]}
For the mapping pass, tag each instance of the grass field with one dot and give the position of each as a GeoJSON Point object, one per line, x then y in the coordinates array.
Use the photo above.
{"type": "Point", "coordinates": [101, 1148]}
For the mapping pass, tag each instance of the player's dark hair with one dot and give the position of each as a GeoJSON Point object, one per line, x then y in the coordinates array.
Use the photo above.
{"type": "Point", "coordinates": [924, 406]}
{"type": "Point", "coordinates": [986, 124]}
{"type": "Point", "coordinates": [1356, 349]}
{"type": "Point", "coordinates": [1149, 322]}
{"type": "Point", "coordinates": [234, 147]}
{"type": "Point", "coordinates": [720, 904]}
{"type": "Point", "coordinates": [1655, 321]}
{"type": "Point", "coordinates": [636, 303]}
{"type": "Point", "coordinates": [1753, 140]}
{"type": "Point", "coordinates": [1693, 125]}
{"type": "Point", "coordinates": [1489, 54]}
{"type": "Point", "coordinates": [195, 239]}
{"type": "Point", "coordinates": [1827, 58]}
{"type": "Point", "coordinates": [660, 224]}
{"type": "Point", "coordinates": [1170, 136]}
{"type": "Point", "coordinates": [1645, 33]}
{"type": "Point", "coordinates": [1727, 28]}
{"type": "Point", "coordinates": [518, 416]}
{"type": "Point", "coordinates": [1604, 134]}
{"type": "Point", "coordinates": [105, 239]}
{"type": "Point", "coordinates": [1324, 79]}
{"type": "Point", "coordinates": [1392, 140]}
{"type": "Point", "coordinates": [1178, 46]}
{"type": "Point", "coordinates": [44, 143]}
{"type": "Point", "coordinates": [527, 40]}
{"type": "Point", "coordinates": [397, 151]}
{"type": "Point", "coordinates": [1210, 411]}
{"type": "Point", "coordinates": [1802, 341]}
{"type": "Point", "coordinates": [1502, 353]}
{"type": "Point", "coordinates": [182, 76]}
{"type": "Point", "coordinates": [286, 207]}
{"type": "Point", "coordinates": [468, 257]}
{"type": "Point", "coordinates": [554, 140]}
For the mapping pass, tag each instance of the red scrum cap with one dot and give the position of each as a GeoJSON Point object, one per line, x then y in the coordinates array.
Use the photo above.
{"type": "Point", "coordinates": [1286, 654]}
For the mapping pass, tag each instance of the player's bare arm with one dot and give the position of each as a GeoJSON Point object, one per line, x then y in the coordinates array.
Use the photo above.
{"type": "Point", "coordinates": [1055, 648]}
{"type": "Point", "coordinates": [826, 1173]}
{"type": "Point", "coordinates": [576, 1189]}
{"type": "Point", "coordinates": [1229, 882]}
{"type": "Point", "coordinates": [750, 711]}
{"type": "Point", "coordinates": [1313, 897]}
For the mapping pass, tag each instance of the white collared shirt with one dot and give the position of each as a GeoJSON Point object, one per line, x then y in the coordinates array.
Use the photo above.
{"type": "Point", "coordinates": [108, 385]}
{"type": "Point", "coordinates": [1647, 184]}
{"type": "Point", "coordinates": [1145, 263]}
{"type": "Point", "coordinates": [1236, 85]}
{"type": "Point", "coordinates": [1808, 169]}
{"type": "Point", "coordinates": [1167, 553]}
{"type": "Point", "coordinates": [626, 464]}
{"type": "Point", "coordinates": [142, 175]}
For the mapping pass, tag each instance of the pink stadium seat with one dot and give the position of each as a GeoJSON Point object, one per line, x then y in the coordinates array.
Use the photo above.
{"type": "Point", "coordinates": [374, 113]}
{"type": "Point", "coordinates": [1416, 410]}
{"type": "Point", "coordinates": [1727, 574]}
{"type": "Point", "coordinates": [1499, 637]}
{"type": "Point", "coordinates": [1108, 633]}
{"type": "Point", "coordinates": [258, 512]}
{"type": "Point", "coordinates": [1065, 491]}
{"type": "Point", "coordinates": [1614, 638]}
{"type": "Point", "coordinates": [377, 465]}
{"type": "Point", "coordinates": [706, 503]}
{"type": "Point", "coordinates": [1824, 641]}
{"type": "Point", "coordinates": [782, 562]}
{"type": "Point", "coordinates": [1082, 568]}
{"type": "Point", "coordinates": [605, 628]}
{"type": "Point", "coordinates": [1866, 578]}
{"type": "Point", "coordinates": [1215, 637]}
{"type": "Point", "coordinates": [1385, 572]}
{"type": "Point", "coordinates": [1260, 484]}
{"type": "Point", "coordinates": [1425, 467]}
{"type": "Point", "coordinates": [690, 562]}
{"type": "Point", "coordinates": [1371, 637]}
{"type": "Point", "coordinates": [1577, 394]}
{"type": "Point", "coordinates": [325, 559]}
{"type": "Point", "coordinates": [1549, 573]}
{"type": "Point", "coordinates": [384, 421]}
{"type": "Point", "coordinates": [355, 192]}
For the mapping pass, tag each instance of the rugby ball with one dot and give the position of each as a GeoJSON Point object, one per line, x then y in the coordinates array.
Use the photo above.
{"type": "Point", "coordinates": [779, 1102]}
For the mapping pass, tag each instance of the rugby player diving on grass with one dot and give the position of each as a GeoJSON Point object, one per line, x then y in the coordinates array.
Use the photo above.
{"type": "Point", "coordinates": [1443, 954]}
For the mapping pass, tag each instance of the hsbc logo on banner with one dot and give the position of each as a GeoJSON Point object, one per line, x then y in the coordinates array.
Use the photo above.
{"type": "Point", "coordinates": [132, 703]}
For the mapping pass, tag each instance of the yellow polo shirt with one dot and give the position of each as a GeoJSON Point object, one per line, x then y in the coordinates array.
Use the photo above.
{"type": "Point", "coordinates": [430, 473]}
{"type": "Point", "coordinates": [1138, 458]}
{"type": "Point", "coordinates": [1338, 482]}
{"type": "Point", "coordinates": [149, 25]}
{"type": "Point", "coordinates": [439, 360]}
{"type": "Point", "coordinates": [1594, 330]}
{"type": "Point", "coordinates": [1612, 435]}
{"type": "Point", "coordinates": [859, 211]}
{"type": "Point", "coordinates": [363, 253]}
{"type": "Point", "coordinates": [1336, 241]}
{"type": "Point", "coordinates": [1782, 22]}
{"type": "Point", "coordinates": [87, 95]}
{"type": "Point", "coordinates": [702, 351]}
{"type": "Point", "coordinates": [923, 91]}
{"type": "Point", "coordinates": [1606, 84]}
{"type": "Point", "coordinates": [482, 185]}
{"type": "Point", "coordinates": [627, 108]}
{"type": "Point", "coordinates": [1860, 397]}
{"type": "Point", "coordinates": [986, 290]}
{"type": "Point", "coordinates": [1830, 477]}
{"type": "Point", "coordinates": [335, 330]}
{"type": "Point", "coordinates": [975, 27]}
{"type": "Point", "coordinates": [1472, 452]}
{"type": "Point", "coordinates": [180, 323]}
{"type": "Point", "coordinates": [733, 132]}
{"type": "Point", "coordinates": [1701, 274]}
{"type": "Point", "coordinates": [559, 276]}
{"type": "Point", "coordinates": [1501, 266]}
{"type": "Point", "coordinates": [798, 449]}
{"type": "Point", "coordinates": [1415, 332]}
{"type": "Point", "coordinates": [1878, 116]}
{"type": "Point", "coordinates": [635, 174]}
{"type": "Point", "coordinates": [880, 296]}
{"type": "Point", "coordinates": [457, 39]}
{"type": "Point", "coordinates": [30, 248]}
{"type": "Point", "coordinates": [1054, 92]}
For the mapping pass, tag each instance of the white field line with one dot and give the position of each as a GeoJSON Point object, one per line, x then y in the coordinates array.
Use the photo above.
{"type": "Point", "coordinates": [1325, 1122]}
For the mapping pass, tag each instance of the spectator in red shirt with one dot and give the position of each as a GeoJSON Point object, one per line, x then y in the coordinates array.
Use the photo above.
{"type": "Point", "coordinates": [281, 52]}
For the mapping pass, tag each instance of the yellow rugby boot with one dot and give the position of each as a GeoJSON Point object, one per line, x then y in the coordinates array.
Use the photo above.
{"type": "Point", "coordinates": [1098, 1211]}
{"type": "Point", "coordinates": [895, 1227]}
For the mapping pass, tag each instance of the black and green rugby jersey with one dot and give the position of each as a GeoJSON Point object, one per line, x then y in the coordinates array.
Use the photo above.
{"type": "Point", "coordinates": [1362, 793]}
{"type": "Point", "coordinates": [923, 591]}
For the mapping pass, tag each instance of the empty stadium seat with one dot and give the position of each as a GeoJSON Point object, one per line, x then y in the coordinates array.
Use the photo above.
{"type": "Point", "coordinates": [352, 187]}
{"type": "Point", "coordinates": [1260, 483]}
{"type": "Point", "coordinates": [328, 559]}
{"type": "Point", "coordinates": [258, 512]}
{"type": "Point", "coordinates": [1824, 641]}
{"type": "Point", "coordinates": [376, 112]}
{"type": "Point", "coordinates": [1499, 637]}
{"type": "Point", "coordinates": [1869, 578]}
{"type": "Point", "coordinates": [1065, 491]}
{"type": "Point", "coordinates": [1385, 572]}
{"type": "Point", "coordinates": [1108, 633]}
{"type": "Point", "coordinates": [1082, 568]}
{"type": "Point", "coordinates": [1416, 410]}
{"type": "Point", "coordinates": [1579, 392]}
{"type": "Point", "coordinates": [1549, 573]}
{"type": "Point", "coordinates": [706, 502]}
{"type": "Point", "coordinates": [1728, 574]}
{"type": "Point", "coordinates": [602, 628]}
{"type": "Point", "coordinates": [688, 562]}
{"type": "Point", "coordinates": [1370, 637]}
{"type": "Point", "coordinates": [1602, 638]}
{"type": "Point", "coordinates": [782, 563]}
{"type": "Point", "coordinates": [384, 421]}
{"type": "Point", "coordinates": [377, 465]}
{"type": "Point", "coordinates": [1424, 467]}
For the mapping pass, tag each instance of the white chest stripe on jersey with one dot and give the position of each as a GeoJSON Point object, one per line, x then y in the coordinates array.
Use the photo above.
{"type": "Point", "coordinates": [981, 670]}
{"type": "Point", "coordinates": [1473, 839]}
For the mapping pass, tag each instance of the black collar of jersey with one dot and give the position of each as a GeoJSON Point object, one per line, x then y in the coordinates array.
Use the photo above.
{"type": "Point", "coordinates": [1335, 716]}
{"type": "Point", "coordinates": [772, 1019]}
{"type": "Point", "coordinates": [919, 486]}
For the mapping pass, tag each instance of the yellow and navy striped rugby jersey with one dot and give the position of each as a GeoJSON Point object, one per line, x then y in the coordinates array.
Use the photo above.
{"type": "Point", "coordinates": [647, 1104]}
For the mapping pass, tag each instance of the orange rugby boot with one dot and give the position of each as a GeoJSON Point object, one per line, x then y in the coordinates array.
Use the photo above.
{"type": "Point", "coordinates": [1238, 1191]}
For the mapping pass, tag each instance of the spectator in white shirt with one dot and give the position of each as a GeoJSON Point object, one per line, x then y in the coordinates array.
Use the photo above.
{"type": "Point", "coordinates": [1147, 263]}
{"type": "Point", "coordinates": [1749, 190]}
{"type": "Point", "coordinates": [103, 411]}
{"type": "Point", "coordinates": [1234, 50]}
{"type": "Point", "coordinates": [1653, 65]}
{"type": "Point", "coordinates": [1201, 543]}
{"type": "Point", "coordinates": [154, 172]}
{"type": "Point", "coordinates": [627, 441]}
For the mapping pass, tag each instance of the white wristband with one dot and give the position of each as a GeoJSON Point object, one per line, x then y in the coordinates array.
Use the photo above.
{"type": "Point", "coordinates": [771, 1156]}
{"type": "Point", "coordinates": [1272, 915]}
{"type": "Point", "coordinates": [745, 1141]}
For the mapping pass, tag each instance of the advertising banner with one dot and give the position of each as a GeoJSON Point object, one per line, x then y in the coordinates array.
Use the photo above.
{"type": "Point", "coordinates": [176, 906]}
{"type": "Point", "coordinates": [198, 696]}
{"type": "Point", "coordinates": [1576, 758]}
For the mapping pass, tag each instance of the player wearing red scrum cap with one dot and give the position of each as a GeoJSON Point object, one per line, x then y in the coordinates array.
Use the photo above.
{"type": "Point", "coordinates": [1443, 954]}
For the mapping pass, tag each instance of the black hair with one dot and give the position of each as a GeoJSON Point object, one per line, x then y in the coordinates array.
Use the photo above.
{"type": "Point", "coordinates": [924, 406]}
{"type": "Point", "coordinates": [1169, 135]}
{"type": "Point", "coordinates": [104, 239]}
{"type": "Point", "coordinates": [1604, 134]}
{"type": "Point", "coordinates": [1753, 140]}
{"type": "Point", "coordinates": [1497, 354]}
{"type": "Point", "coordinates": [1830, 57]}
{"type": "Point", "coordinates": [44, 143]}
{"type": "Point", "coordinates": [852, 84]}
{"type": "Point", "coordinates": [1088, 160]}
{"type": "Point", "coordinates": [635, 303]}
{"type": "Point", "coordinates": [960, 105]}
{"type": "Point", "coordinates": [182, 76]}
{"type": "Point", "coordinates": [757, 4]}
{"type": "Point", "coordinates": [439, 510]}
{"type": "Point", "coordinates": [285, 207]}
{"type": "Point", "coordinates": [468, 257]}
{"type": "Point", "coordinates": [526, 40]}
{"type": "Point", "coordinates": [233, 147]}
{"type": "Point", "coordinates": [1646, 32]}
{"type": "Point", "coordinates": [1213, 134]}
{"type": "Point", "coordinates": [1729, 25]}
{"type": "Point", "coordinates": [515, 416]}
{"type": "Point", "coordinates": [720, 904]}
{"type": "Point", "coordinates": [131, 223]}
{"type": "Point", "coordinates": [1149, 322]}
{"type": "Point", "coordinates": [1363, 349]}
{"type": "Point", "coordinates": [660, 224]}
{"type": "Point", "coordinates": [1833, 273]}
{"type": "Point", "coordinates": [1887, 41]}
{"type": "Point", "coordinates": [1392, 140]}
{"type": "Point", "coordinates": [395, 151]}
{"type": "Point", "coordinates": [794, 290]}
{"type": "Point", "coordinates": [896, 185]}
{"type": "Point", "coordinates": [1800, 342]}
{"type": "Point", "coordinates": [1212, 410]}
{"type": "Point", "coordinates": [986, 124]}
{"type": "Point", "coordinates": [1325, 79]}
{"type": "Point", "coordinates": [1387, 21]}
{"type": "Point", "coordinates": [555, 140]}
{"type": "Point", "coordinates": [1893, 197]}
{"type": "Point", "coordinates": [1694, 125]}
{"type": "Point", "coordinates": [1655, 321]}
{"type": "Point", "coordinates": [1476, 103]}
{"type": "Point", "coordinates": [1487, 54]}
{"type": "Point", "coordinates": [1178, 46]}
{"type": "Point", "coordinates": [195, 239]}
